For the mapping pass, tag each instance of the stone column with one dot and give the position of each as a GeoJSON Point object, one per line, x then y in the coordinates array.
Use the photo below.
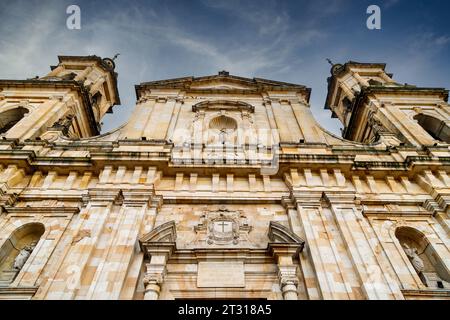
{"type": "Point", "coordinates": [174, 118]}
{"type": "Point", "coordinates": [156, 271]}
{"type": "Point", "coordinates": [3, 100]}
{"type": "Point", "coordinates": [409, 128]}
{"type": "Point", "coordinates": [306, 122]}
{"type": "Point", "coordinates": [287, 270]}
{"type": "Point", "coordinates": [119, 257]}
{"type": "Point", "coordinates": [325, 261]}
{"type": "Point", "coordinates": [96, 86]}
{"type": "Point", "coordinates": [271, 118]}
{"type": "Point", "coordinates": [159, 252]}
{"type": "Point", "coordinates": [152, 288]}
{"type": "Point", "coordinates": [281, 121]}
{"type": "Point", "coordinates": [386, 77]}
{"type": "Point", "coordinates": [376, 276]}
{"type": "Point", "coordinates": [84, 74]}
{"type": "Point", "coordinates": [37, 120]}
{"type": "Point", "coordinates": [288, 281]}
{"type": "Point", "coordinates": [55, 72]}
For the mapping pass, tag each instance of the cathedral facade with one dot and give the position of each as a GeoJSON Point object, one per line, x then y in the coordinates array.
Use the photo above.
{"type": "Point", "coordinates": [223, 187]}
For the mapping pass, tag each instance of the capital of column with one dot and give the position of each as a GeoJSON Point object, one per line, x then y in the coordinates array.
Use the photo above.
{"type": "Point", "coordinates": [342, 197]}
{"type": "Point", "coordinates": [145, 99]}
{"type": "Point", "coordinates": [162, 99]}
{"type": "Point", "coordinates": [443, 202]}
{"type": "Point", "coordinates": [138, 197]}
{"type": "Point", "coordinates": [312, 198]}
{"type": "Point", "coordinates": [288, 284]}
{"type": "Point", "coordinates": [153, 280]}
{"type": "Point", "coordinates": [82, 75]}
{"type": "Point", "coordinates": [288, 281]}
{"type": "Point", "coordinates": [155, 275]}
{"type": "Point", "coordinates": [288, 203]}
{"type": "Point", "coordinates": [288, 273]}
{"type": "Point", "coordinates": [103, 195]}
{"type": "Point", "coordinates": [6, 199]}
{"type": "Point", "coordinates": [152, 287]}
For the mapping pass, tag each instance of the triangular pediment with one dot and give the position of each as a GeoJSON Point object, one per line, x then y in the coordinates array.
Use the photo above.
{"type": "Point", "coordinates": [221, 82]}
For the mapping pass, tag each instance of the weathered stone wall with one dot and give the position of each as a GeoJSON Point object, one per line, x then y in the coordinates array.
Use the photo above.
{"type": "Point", "coordinates": [137, 213]}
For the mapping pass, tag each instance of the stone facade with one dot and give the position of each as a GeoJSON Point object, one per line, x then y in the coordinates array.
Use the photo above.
{"type": "Point", "coordinates": [223, 187]}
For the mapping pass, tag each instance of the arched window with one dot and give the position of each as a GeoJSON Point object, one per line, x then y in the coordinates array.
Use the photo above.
{"type": "Point", "coordinates": [223, 129]}
{"type": "Point", "coordinates": [425, 260]}
{"type": "Point", "coordinates": [435, 127]}
{"type": "Point", "coordinates": [17, 249]}
{"type": "Point", "coordinates": [9, 118]}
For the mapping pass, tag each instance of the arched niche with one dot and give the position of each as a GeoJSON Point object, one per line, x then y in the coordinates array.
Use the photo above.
{"type": "Point", "coordinates": [428, 264]}
{"type": "Point", "coordinates": [21, 242]}
{"type": "Point", "coordinates": [96, 103]}
{"type": "Point", "coordinates": [10, 117]}
{"type": "Point", "coordinates": [223, 122]}
{"type": "Point", "coordinates": [436, 128]}
{"type": "Point", "coordinates": [222, 129]}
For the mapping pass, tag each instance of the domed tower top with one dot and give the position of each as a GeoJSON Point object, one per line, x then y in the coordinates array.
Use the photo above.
{"type": "Point", "coordinates": [98, 78]}
{"type": "Point", "coordinates": [335, 67]}
{"type": "Point", "coordinates": [369, 103]}
{"type": "Point", "coordinates": [110, 62]}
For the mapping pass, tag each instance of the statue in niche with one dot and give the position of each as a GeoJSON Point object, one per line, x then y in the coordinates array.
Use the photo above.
{"type": "Point", "coordinates": [69, 76]}
{"type": "Point", "coordinates": [64, 124]}
{"type": "Point", "coordinates": [23, 256]}
{"type": "Point", "coordinates": [377, 126]}
{"type": "Point", "coordinates": [416, 261]}
{"type": "Point", "coordinates": [223, 135]}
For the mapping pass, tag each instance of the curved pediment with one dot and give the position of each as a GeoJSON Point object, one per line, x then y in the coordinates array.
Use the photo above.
{"type": "Point", "coordinates": [283, 241]}
{"type": "Point", "coordinates": [280, 234]}
{"type": "Point", "coordinates": [160, 241]}
{"type": "Point", "coordinates": [220, 85]}
{"type": "Point", "coordinates": [166, 232]}
{"type": "Point", "coordinates": [223, 105]}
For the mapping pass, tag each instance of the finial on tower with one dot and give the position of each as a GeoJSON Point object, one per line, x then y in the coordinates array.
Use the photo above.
{"type": "Point", "coordinates": [110, 62]}
{"type": "Point", "coordinates": [335, 67]}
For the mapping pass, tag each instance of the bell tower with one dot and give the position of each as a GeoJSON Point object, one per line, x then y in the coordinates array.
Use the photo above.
{"type": "Point", "coordinates": [72, 98]}
{"type": "Point", "coordinates": [370, 104]}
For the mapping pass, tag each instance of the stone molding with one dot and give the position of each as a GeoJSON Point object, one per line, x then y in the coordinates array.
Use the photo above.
{"type": "Point", "coordinates": [226, 105]}
{"type": "Point", "coordinates": [41, 210]}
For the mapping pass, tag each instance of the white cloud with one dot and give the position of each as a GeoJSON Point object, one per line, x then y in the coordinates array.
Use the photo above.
{"type": "Point", "coordinates": [258, 38]}
{"type": "Point", "coordinates": [390, 3]}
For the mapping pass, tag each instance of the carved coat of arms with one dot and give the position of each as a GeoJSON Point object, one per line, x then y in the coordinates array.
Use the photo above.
{"type": "Point", "coordinates": [222, 227]}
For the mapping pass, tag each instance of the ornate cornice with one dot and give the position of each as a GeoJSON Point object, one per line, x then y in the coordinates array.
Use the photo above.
{"type": "Point", "coordinates": [41, 210]}
{"type": "Point", "coordinates": [223, 105]}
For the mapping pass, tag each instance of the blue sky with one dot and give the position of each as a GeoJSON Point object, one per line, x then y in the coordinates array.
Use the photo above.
{"type": "Point", "coordinates": [279, 40]}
